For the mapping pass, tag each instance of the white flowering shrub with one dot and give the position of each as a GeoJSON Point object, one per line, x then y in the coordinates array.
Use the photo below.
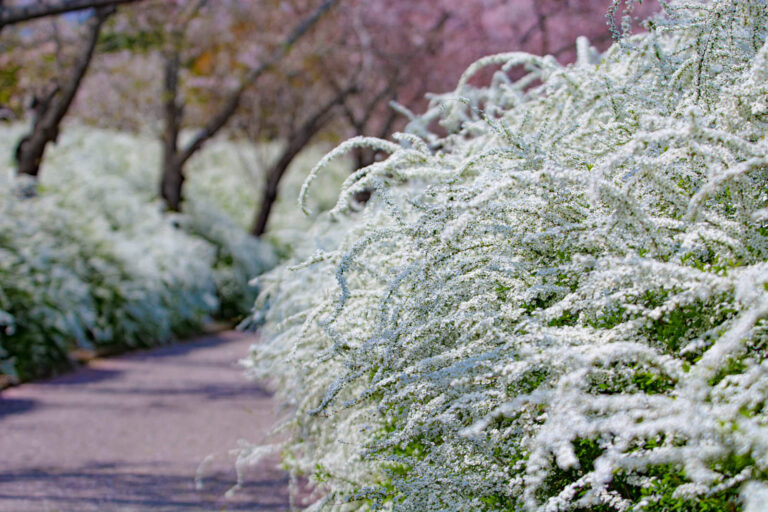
{"type": "Point", "coordinates": [72, 276]}
{"type": "Point", "coordinates": [238, 258]}
{"type": "Point", "coordinates": [92, 262]}
{"type": "Point", "coordinates": [559, 301]}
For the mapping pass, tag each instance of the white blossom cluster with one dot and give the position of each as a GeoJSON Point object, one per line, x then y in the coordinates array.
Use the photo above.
{"type": "Point", "coordinates": [557, 298]}
{"type": "Point", "coordinates": [91, 262]}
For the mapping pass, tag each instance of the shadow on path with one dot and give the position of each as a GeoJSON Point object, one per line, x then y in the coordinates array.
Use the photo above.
{"type": "Point", "coordinates": [83, 375]}
{"type": "Point", "coordinates": [128, 434]}
{"type": "Point", "coordinates": [15, 405]}
{"type": "Point", "coordinates": [47, 489]}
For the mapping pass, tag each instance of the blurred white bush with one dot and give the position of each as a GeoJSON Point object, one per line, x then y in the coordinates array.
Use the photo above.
{"type": "Point", "coordinates": [92, 261]}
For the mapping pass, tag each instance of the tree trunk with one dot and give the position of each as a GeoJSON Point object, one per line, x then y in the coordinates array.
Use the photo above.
{"type": "Point", "coordinates": [51, 109]}
{"type": "Point", "coordinates": [269, 195]}
{"type": "Point", "coordinates": [172, 178]}
{"type": "Point", "coordinates": [171, 184]}
{"type": "Point", "coordinates": [276, 172]}
{"type": "Point", "coordinates": [296, 142]}
{"type": "Point", "coordinates": [30, 151]}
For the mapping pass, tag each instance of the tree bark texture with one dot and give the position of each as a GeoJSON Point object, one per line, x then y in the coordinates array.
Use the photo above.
{"type": "Point", "coordinates": [172, 178]}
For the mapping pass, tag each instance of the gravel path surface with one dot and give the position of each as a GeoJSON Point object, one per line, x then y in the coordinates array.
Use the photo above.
{"type": "Point", "coordinates": [127, 434]}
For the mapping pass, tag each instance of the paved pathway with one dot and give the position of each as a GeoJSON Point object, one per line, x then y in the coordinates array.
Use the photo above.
{"type": "Point", "coordinates": [127, 434]}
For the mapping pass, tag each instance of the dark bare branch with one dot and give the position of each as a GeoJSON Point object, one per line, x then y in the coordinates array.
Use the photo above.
{"type": "Point", "coordinates": [18, 14]}
{"type": "Point", "coordinates": [232, 102]}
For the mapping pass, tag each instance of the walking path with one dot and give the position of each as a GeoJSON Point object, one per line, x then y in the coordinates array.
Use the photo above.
{"type": "Point", "coordinates": [128, 434]}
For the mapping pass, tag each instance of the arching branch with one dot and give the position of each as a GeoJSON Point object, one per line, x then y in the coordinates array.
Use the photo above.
{"type": "Point", "coordinates": [21, 13]}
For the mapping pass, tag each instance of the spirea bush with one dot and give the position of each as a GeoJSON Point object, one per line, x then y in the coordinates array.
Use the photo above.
{"type": "Point", "coordinates": [557, 298]}
{"type": "Point", "coordinates": [238, 256]}
{"type": "Point", "coordinates": [91, 262]}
